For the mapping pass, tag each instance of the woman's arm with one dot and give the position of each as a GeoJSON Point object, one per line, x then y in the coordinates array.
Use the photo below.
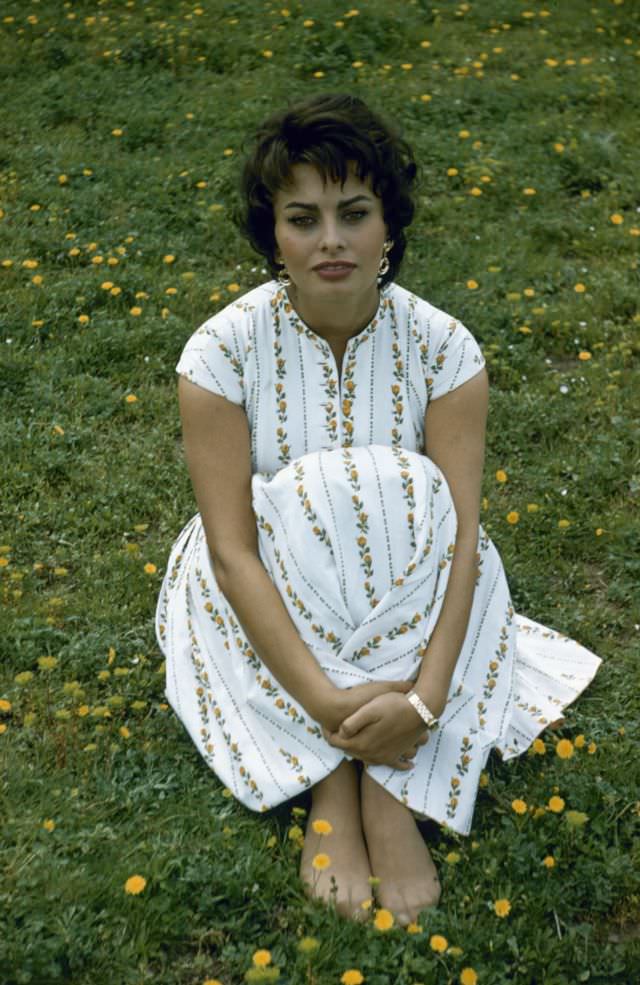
{"type": "Point", "coordinates": [454, 441]}
{"type": "Point", "coordinates": [217, 449]}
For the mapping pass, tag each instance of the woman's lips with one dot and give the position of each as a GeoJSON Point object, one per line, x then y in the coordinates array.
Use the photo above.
{"type": "Point", "coordinates": [334, 271]}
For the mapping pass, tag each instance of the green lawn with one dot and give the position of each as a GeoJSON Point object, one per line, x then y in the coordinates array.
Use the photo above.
{"type": "Point", "coordinates": [123, 126]}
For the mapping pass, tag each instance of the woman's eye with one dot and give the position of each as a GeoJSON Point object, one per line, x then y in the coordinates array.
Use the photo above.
{"type": "Point", "coordinates": [355, 216]}
{"type": "Point", "coordinates": [301, 220]}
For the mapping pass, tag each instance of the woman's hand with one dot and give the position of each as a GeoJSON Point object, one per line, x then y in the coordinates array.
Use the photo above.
{"type": "Point", "coordinates": [344, 702]}
{"type": "Point", "coordinates": [386, 731]}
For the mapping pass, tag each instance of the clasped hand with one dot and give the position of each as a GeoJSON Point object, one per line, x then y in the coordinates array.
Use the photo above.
{"type": "Point", "coordinates": [385, 730]}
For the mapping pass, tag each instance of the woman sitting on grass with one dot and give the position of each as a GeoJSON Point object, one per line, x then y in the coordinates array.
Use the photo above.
{"type": "Point", "coordinates": [334, 618]}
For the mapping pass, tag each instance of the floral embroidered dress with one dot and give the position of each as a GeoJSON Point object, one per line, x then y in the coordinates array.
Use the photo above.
{"type": "Point", "coordinates": [357, 530]}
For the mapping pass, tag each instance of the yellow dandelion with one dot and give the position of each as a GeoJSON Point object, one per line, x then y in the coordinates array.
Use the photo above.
{"type": "Point", "coordinates": [318, 75]}
{"type": "Point", "coordinates": [47, 663]}
{"type": "Point", "coordinates": [150, 569]}
{"type": "Point", "coordinates": [563, 524]}
{"type": "Point", "coordinates": [591, 748]}
{"type": "Point", "coordinates": [548, 861]}
{"type": "Point", "coordinates": [49, 824]}
{"type": "Point", "coordinates": [308, 945]}
{"type": "Point", "coordinates": [261, 958]}
{"type": "Point", "coordinates": [532, 507]}
{"type": "Point", "coordinates": [168, 258]}
{"type": "Point", "coordinates": [556, 805]}
{"type": "Point", "coordinates": [464, 134]}
{"type": "Point", "coordinates": [106, 285]}
{"type": "Point", "coordinates": [617, 219]}
{"type": "Point", "coordinates": [414, 928]}
{"type": "Point", "coordinates": [321, 861]}
{"type": "Point", "coordinates": [539, 747]}
{"type": "Point", "coordinates": [30, 264]}
{"type": "Point", "coordinates": [233, 288]}
{"type": "Point", "coordinates": [117, 132]}
{"type": "Point", "coordinates": [352, 977]}
{"type": "Point", "coordinates": [513, 517]}
{"type": "Point", "coordinates": [5, 706]}
{"type": "Point", "coordinates": [558, 148]}
{"type": "Point", "coordinates": [383, 920]}
{"type": "Point", "coordinates": [135, 885]}
{"type": "Point", "coordinates": [438, 943]}
{"type": "Point", "coordinates": [452, 172]}
{"type": "Point", "coordinates": [564, 748]}
{"type": "Point", "coordinates": [575, 819]}
{"type": "Point", "coordinates": [501, 476]}
{"type": "Point", "coordinates": [131, 398]}
{"type": "Point", "coordinates": [475, 191]}
{"type": "Point", "coordinates": [584, 356]}
{"type": "Point", "coordinates": [529, 191]}
{"type": "Point", "coordinates": [579, 742]}
{"type": "Point", "coordinates": [452, 858]}
{"type": "Point", "coordinates": [322, 827]}
{"type": "Point", "coordinates": [502, 907]}
{"type": "Point", "coordinates": [484, 779]}
{"type": "Point", "coordinates": [24, 677]}
{"type": "Point", "coordinates": [468, 976]}
{"type": "Point", "coordinates": [579, 288]}
{"type": "Point", "coordinates": [267, 54]}
{"type": "Point", "coordinates": [472, 285]}
{"type": "Point", "coordinates": [519, 806]}
{"type": "Point", "coordinates": [63, 179]}
{"type": "Point", "coordinates": [426, 98]}
{"type": "Point", "coordinates": [3, 729]}
{"type": "Point", "coordinates": [135, 311]}
{"type": "Point", "coordinates": [124, 732]}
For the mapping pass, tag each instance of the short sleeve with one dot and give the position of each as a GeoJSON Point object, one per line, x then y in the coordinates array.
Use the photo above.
{"type": "Point", "coordinates": [452, 355]}
{"type": "Point", "coordinates": [214, 358]}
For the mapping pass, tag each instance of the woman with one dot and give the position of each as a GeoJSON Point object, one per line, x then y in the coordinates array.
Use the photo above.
{"type": "Point", "coordinates": [334, 617]}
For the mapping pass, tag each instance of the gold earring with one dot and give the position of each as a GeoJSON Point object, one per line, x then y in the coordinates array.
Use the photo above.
{"type": "Point", "coordinates": [384, 262]}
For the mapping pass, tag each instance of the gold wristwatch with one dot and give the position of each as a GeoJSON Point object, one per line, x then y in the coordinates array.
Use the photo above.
{"type": "Point", "coordinates": [427, 717]}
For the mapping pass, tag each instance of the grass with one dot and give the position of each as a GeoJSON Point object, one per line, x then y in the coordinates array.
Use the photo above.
{"type": "Point", "coordinates": [126, 125]}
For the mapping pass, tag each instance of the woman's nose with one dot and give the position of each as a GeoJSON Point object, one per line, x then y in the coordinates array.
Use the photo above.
{"type": "Point", "coordinates": [331, 237]}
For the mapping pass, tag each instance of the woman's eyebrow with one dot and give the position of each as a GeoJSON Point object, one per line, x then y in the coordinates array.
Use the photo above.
{"type": "Point", "coordinates": [342, 205]}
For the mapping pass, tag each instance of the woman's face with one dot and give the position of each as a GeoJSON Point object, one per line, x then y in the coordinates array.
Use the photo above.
{"type": "Point", "coordinates": [330, 236]}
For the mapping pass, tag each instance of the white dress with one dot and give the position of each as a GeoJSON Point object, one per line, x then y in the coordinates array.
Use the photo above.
{"type": "Point", "coordinates": [357, 530]}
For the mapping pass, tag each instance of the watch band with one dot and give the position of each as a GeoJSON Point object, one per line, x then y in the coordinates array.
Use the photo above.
{"type": "Point", "coordinates": [427, 717]}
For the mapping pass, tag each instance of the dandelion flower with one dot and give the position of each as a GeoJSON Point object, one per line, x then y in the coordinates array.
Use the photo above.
{"type": "Point", "coordinates": [135, 885]}
{"type": "Point", "coordinates": [135, 311]}
{"type": "Point", "coordinates": [321, 861]}
{"type": "Point", "coordinates": [519, 806]}
{"type": "Point", "coordinates": [468, 976]}
{"type": "Point", "coordinates": [576, 819]}
{"type": "Point", "coordinates": [47, 663]}
{"type": "Point", "coordinates": [617, 219]}
{"type": "Point", "coordinates": [414, 928]}
{"type": "Point", "coordinates": [352, 977]}
{"type": "Point", "coordinates": [24, 677]}
{"type": "Point", "coordinates": [5, 705]}
{"type": "Point", "coordinates": [322, 827]}
{"type": "Point", "coordinates": [472, 285]}
{"type": "Point", "coordinates": [501, 476]}
{"type": "Point", "coordinates": [564, 748]}
{"type": "Point", "coordinates": [49, 824]}
{"type": "Point", "coordinates": [579, 741]}
{"type": "Point", "coordinates": [438, 943]}
{"type": "Point", "coordinates": [548, 861]}
{"type": "Point", "coordinates": [556, 805]}
{"type": "Point", "coordinates": [150, 568]}
{"type": "Point", "coordinates": [383, 920]}
{"type": "Point", "coordinates": [308, 945]}
{"type": "Point", "coordinates": [513, 517]}
{"type": "Point", "coordinates": [502, 907]}
{"type": "Point", "coordinates": [584, 356]}
{"type": "Point", "coordinates": [452, 858]}
{"type": "Point", "coordinates": [262, 958]}
{"type": "Point", "coordinates": [131, 398]}
{"type": "Point", "coordinates": [579, 288]}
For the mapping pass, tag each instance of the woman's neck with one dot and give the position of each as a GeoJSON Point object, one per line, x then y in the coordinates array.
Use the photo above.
{"type": "Point", "coordinates": [339, 319]}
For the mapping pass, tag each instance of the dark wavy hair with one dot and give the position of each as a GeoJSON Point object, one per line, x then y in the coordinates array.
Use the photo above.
{"type": "Point", "coordinates": [328, 132]}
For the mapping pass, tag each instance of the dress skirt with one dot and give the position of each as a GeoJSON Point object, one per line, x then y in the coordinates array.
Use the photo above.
{"type": "Point", "coordinates": [359, 542]}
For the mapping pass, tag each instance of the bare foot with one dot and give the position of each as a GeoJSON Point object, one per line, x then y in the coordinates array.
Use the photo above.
{"type": "Point", "coordinates": [345, 881]}
{"type": "Point", "coordinates": [399, 857]}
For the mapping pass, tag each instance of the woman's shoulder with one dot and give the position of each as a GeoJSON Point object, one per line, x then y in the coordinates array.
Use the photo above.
{"type": "Point", "coordinates": [239, 317]}
{"type": "Point", "coordinates": [421, 314]}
